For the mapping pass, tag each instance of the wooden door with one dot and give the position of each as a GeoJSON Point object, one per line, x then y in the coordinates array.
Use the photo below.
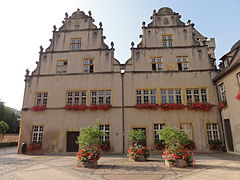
{"type": "Point", "coordinates": [228, 134]}
{"type": "Point", "coordinates": [71, 141]}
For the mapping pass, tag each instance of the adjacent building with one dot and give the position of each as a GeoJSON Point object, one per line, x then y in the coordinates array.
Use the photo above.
{"type": "Point", "coordinates": [78, 83]}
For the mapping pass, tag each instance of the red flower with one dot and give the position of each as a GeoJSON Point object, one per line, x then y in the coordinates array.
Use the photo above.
{"type": "Point", "coordinates": [81, 107]}
{"type": "Point", "coordinates": [146, 106]}
{"type": "Point", "coordinates": [105, 107]}
{"type": "Point", "coordinates": [222, 105]}
{"type": "Point", "coordinates": [38, 108]}
{"type": "Point", "coordinates": [238, 96]}
{"type": "Point", "coordinates": [172, 106]}
{"type": "Point", "coordinates": [200, 107]}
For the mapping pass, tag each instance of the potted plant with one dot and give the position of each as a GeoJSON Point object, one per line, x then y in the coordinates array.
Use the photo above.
{"type": "Point", "coordinates": [216, 145]}
{"type": "Point", "coordinates": [138, 151]}
{"type": "Point", "coordinates": [176, 153]}
{"type": "Point", "coordinates": [105, 146]}
{"type": "Point", "coordinates": [159, 145]}
{"type": "Point", "coordinates": [3, 129]}
{"type": "Point", "coordinates": [89, 152]}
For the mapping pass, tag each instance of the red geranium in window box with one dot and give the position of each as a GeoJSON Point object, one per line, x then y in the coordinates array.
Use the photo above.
{"type": "Point", "coordinates": [222, 105]}
{"type": "Point", "coordinates": [146, 106]}
{"type": "Point", "coordinates": [105, 107]}
{"type": "Point", "coordinates": [200, 107]}
{"type": "Point", "coordinates": [34, 146]}
{"type": "Point", "coordinates": [38, 108]}
{"type": "Point", "coordinates": [238, 96]}
{"type": "Point", "coordinates": [172, 106]}
{"type": "Point", "coordinates": [81, 107]}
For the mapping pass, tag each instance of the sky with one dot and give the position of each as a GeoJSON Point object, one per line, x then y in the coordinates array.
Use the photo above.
{"type": "Point", "coordinates": [27, 24]}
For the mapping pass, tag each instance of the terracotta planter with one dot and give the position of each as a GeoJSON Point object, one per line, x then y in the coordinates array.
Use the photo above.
{"type": "Point", "coordinates": [169, 163]}
{"type": "Point", "coordinates": [89, 164]}
{"type": "Point", "coordinates": [138, 159]}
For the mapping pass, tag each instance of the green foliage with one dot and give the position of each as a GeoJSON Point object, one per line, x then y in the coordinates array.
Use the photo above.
{"type": "Point", "coordinates": [173, 137]}
{"type": "Point", "coordinates": [216, 145]}
{"type": "Point", "coordinates": [90, 136]}
{"type": "Point", "coordinates": [3, 127]}
{"type": "Point", "coordinates": [8, 144]}
{"type": "Point", "coordinates": [9, 116]}
{"type": "Point", "coordinates": [137, 136]}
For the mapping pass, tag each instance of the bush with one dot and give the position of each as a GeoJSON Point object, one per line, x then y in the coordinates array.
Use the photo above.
{"type": "Point", "coordinates": [138, 137]}
{"type": "Point", "coordinates": [8, 144]}
{"type": "Point", "coordinates": [105, 146]}
{"type": "Point", "coordinates": [3, 127]}
{"type": "Point", "coordinates": [190, 145]}
{"type": "Point", "coordinates": [216, 145]}
{"type": "Point", "coordinates": [90, 136]}
{"type": "Point", "coordinates": [159, 145]}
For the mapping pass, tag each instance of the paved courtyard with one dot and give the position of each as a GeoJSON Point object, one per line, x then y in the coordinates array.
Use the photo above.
{"type": "Point", "coordinates": [117, 167]}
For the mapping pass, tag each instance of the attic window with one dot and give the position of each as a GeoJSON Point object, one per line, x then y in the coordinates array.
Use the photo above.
{"type": "Point", "coordinates": [182, 62]}
{"type": "Point", "coordinates": [76, 44]}
{"type": "Point", "coordinates": [156, 63]}
{"type": "Point", "coordinates": [62, 66]}
{"type": "Point", "coordinates": [167, 40]}
{"type": "Point", "coordinates": [88, 65]}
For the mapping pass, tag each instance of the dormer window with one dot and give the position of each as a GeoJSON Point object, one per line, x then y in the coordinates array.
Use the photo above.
{"type": "Point", "coordinates": [156, 63]}
{"type": "Point", "coordinates": [182, 62]}
{"type": "Point", "coordinates": [62, 66]}
{"type": "Point", "coordinates": [88, 65]}
{"type": "Point", "coordinates": [76, 44]}
{"type": "Point", "coordinates": [167, 40]}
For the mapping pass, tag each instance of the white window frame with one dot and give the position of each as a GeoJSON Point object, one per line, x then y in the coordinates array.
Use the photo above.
{"type": "Point", "coordinates": [62, 66]}
{"type": "Point", "coordinates": [187, 128]}
{"type": "Point", "coordinates": [76, 97]}
{"type": "Point", "coordinates": [156, 128]}
{"type": "Point", "coordinates": [183, 62]}
{"type": "Point", "coordinates": [196, 95]}
{"type": "Point", "coordinates": [88, 65]}
{"type": "Point", "coordinates": [37, 134]}
{"type": "Point", "coordinates": [41, 98]}
{"type": "Point", "coordinates": [171, 96]}
{"type": "Point", "coordinates": [167, 40]}
{"type": "Point", "coordinates": [146, 96]}
{"type": "Point", "coordinates": [100, 97]}
{"type": "Point", "coordinates": [222, 92]}
{"type": "Point", "coordinates": [158, 63]}
{"type": "Point", "coordinates": [106, 129]}
{"type": "Point", "coordinates": [213, 132]}
{"type": "Point", "coordinates": [76, 44]}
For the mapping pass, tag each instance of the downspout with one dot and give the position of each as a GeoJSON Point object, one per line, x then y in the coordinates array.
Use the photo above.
{"type": "Point", "coordinates": [123, 113]}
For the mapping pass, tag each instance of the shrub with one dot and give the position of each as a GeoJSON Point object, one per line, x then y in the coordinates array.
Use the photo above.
{"type": "Point", "coordinates": [105, 146]}
{"type": "Point", "coordinates": [136, 152]}
{"type": "Point", "coordinates": [159, 145]}
{"type": "Point", "coordinates": [3, 127]}
{"type": "Point", "coordinates": [216, 145]}
{"type": "Point", "coordinates": [190, 145]}
{"type": "Point", "coordinates": [138, 137]}
{"type": "Point", "coordinates": [8, 144]}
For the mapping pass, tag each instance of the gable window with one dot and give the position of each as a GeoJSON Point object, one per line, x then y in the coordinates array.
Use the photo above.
{"type": "Point", "coordinates": [76, 97]}
{"type": "Point", "coordinates": [182, 62]}
{"type": "Point", "coordinates": [196, 95]}
{"type": "Point", "coordinates": [222, 92]}
{"type": "Point", "coordinates": [157, 127]}
{"type": "Point", "coordinates": [62, 66]}
{"type": "Point", "coordinates": [106, 129]}
{"type": "Point", "coordinates": [213, 132]}
{"type": "Point", "coordinates": [167, 40]}
{"type": "Point", "coordinates": [156, 63]}
{"type": "Point", "coordinates": [101, 97]}
{"type": "Point", "coordinates": [88, 65]}
{"type": "Point", "coordinates": [76, 44]}
{"type": "Point", "coordinates": [186, 128]}
{"type": "Point", "coordinates": [37, 134]}
{"type": "Point", "coordinates": [146, 96]}
{"type": "Point", "coordinates": [41, 99]}
{"type": "Point", "coordinates": [171, 96]}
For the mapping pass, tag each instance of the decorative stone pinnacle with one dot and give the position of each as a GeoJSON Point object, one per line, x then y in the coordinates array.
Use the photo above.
{"type": "Point", "coordinates": [132, 44]}
{"type": "Point", "coordinates": [66, 15]}
{"type": "Point", "coordinates": [189, 21]}
{"type": "Point", "coordinates": [154, 11]}
{"type": "Point", "coordinates": [78, 9]}
{"type": "Point", "coordinates": [27, 73]}
{"type": "Point", "coordinates": [54, 28]}
{"type": "Point", "coordinates": [41, 49]}
{"type": "Point", "coordinates": [143, 23]}
{"type": "Point", "coordinates": [112, 44]}
{"type": "Point", "coordinates": [90, 13]}
{"type": "Point", "coordinates": [50, 40]}
{"type": "Point", "coordinates": [100, 24]}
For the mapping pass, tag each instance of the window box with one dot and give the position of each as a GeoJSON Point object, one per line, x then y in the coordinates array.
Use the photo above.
{"type": "Point", "coordinates": [81, 107]}
{"type": "Point", "coordinates": [172, 106]}
{"type": "Point", "coordinates": [222, 105]}
{"type": "Point", "coordinates": [238, 96]}
{"type": "Point", "coordinates": [200, 107]}
{"type": "Point", "coordinates": [34, 147]}
{"type": "Point", "coordinates": [38, 108]}
{"type": "Point", "coordinates": [146, 106]}
{"type": "Point", "coordinates": [100, 107]}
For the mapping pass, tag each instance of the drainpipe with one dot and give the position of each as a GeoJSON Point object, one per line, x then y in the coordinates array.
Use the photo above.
{"type": "Point", "coordinates": [123, 119]}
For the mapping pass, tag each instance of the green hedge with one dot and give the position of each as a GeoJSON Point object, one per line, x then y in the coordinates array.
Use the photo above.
{"type": "Point", "coordinates": [8, 144]}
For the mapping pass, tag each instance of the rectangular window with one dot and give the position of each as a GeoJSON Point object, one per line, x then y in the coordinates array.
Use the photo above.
{"type": "Point", "coordinates": [213, 132]}
{"type": "Point", "coordinates": [146, 96]}
{"type": "Point", "coordinates": [157, 127]}
{"type": "Point", "coordinates": [106, 129]}
{"type": "Point", "coordinates": [196, 95]}
{"type": "Point", "coordinates": [222, 92]}
{"type": "Point", "coordinates": [88, 65]}
{"type": "Point", "coordinates": [182, 62]}
{"type": "Point", "coordinates": [186, 128]}
{"type": "Point", "coordinates": [62, 66]}
{"type": "Point", "coordinates": [76, 44]}
{"type": "Point", "coordinates": [167, 40]}
{"type": "Point", "coordinates": [76, 97]}
{"type": "Point", "coordinates": [156, 63]}
{"type": "Point", "coordinates": [37, 134]}
{"type": "Point", "coordinates": [171, 96]}
{"type": "Point", "coordinates": [101, 97]}
{"type": "Point", "coordinates": [41, 99]}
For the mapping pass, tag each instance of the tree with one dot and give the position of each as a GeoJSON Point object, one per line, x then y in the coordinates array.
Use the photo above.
{"type": "Point", "coordinates": [137, 136]}
{"type": "Point", "coordinates": [3, 127]}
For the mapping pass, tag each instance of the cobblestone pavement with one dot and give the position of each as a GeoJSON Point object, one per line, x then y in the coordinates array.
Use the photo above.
{"type": "Point", "coordinates": [117, 167]}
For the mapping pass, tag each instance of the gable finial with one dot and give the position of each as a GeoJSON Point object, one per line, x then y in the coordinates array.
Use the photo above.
{"type": "Point", "coordinates": [100, 24]}
{"type": "Point", "coordinates": [112, 44]}
{"type": "Point", "coordinates": [66, 15]}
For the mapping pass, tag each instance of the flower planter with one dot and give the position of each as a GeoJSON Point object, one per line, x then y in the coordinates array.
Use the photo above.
{"type": "Point", "coordinates": [169, 163]}
{"type": "Point", "coordinates": [89, 164]}
{"type": "Point", "coordinates": [181, 163]}
{"type": "Point", "coordinates": [139, 158]}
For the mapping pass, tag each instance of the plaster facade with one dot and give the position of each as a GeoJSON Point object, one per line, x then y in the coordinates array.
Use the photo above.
{"type": "Point", "coordinates": [186, 61]}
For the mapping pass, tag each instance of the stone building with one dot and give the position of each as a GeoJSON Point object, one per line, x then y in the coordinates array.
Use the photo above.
{"type": "Point", "coordinates": [172, 66]}
{"type": "Point", "coordinates": [228, 85]}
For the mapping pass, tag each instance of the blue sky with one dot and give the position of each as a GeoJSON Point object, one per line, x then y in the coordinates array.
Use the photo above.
{"type": "Point", "coordinates": [27, 24]}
